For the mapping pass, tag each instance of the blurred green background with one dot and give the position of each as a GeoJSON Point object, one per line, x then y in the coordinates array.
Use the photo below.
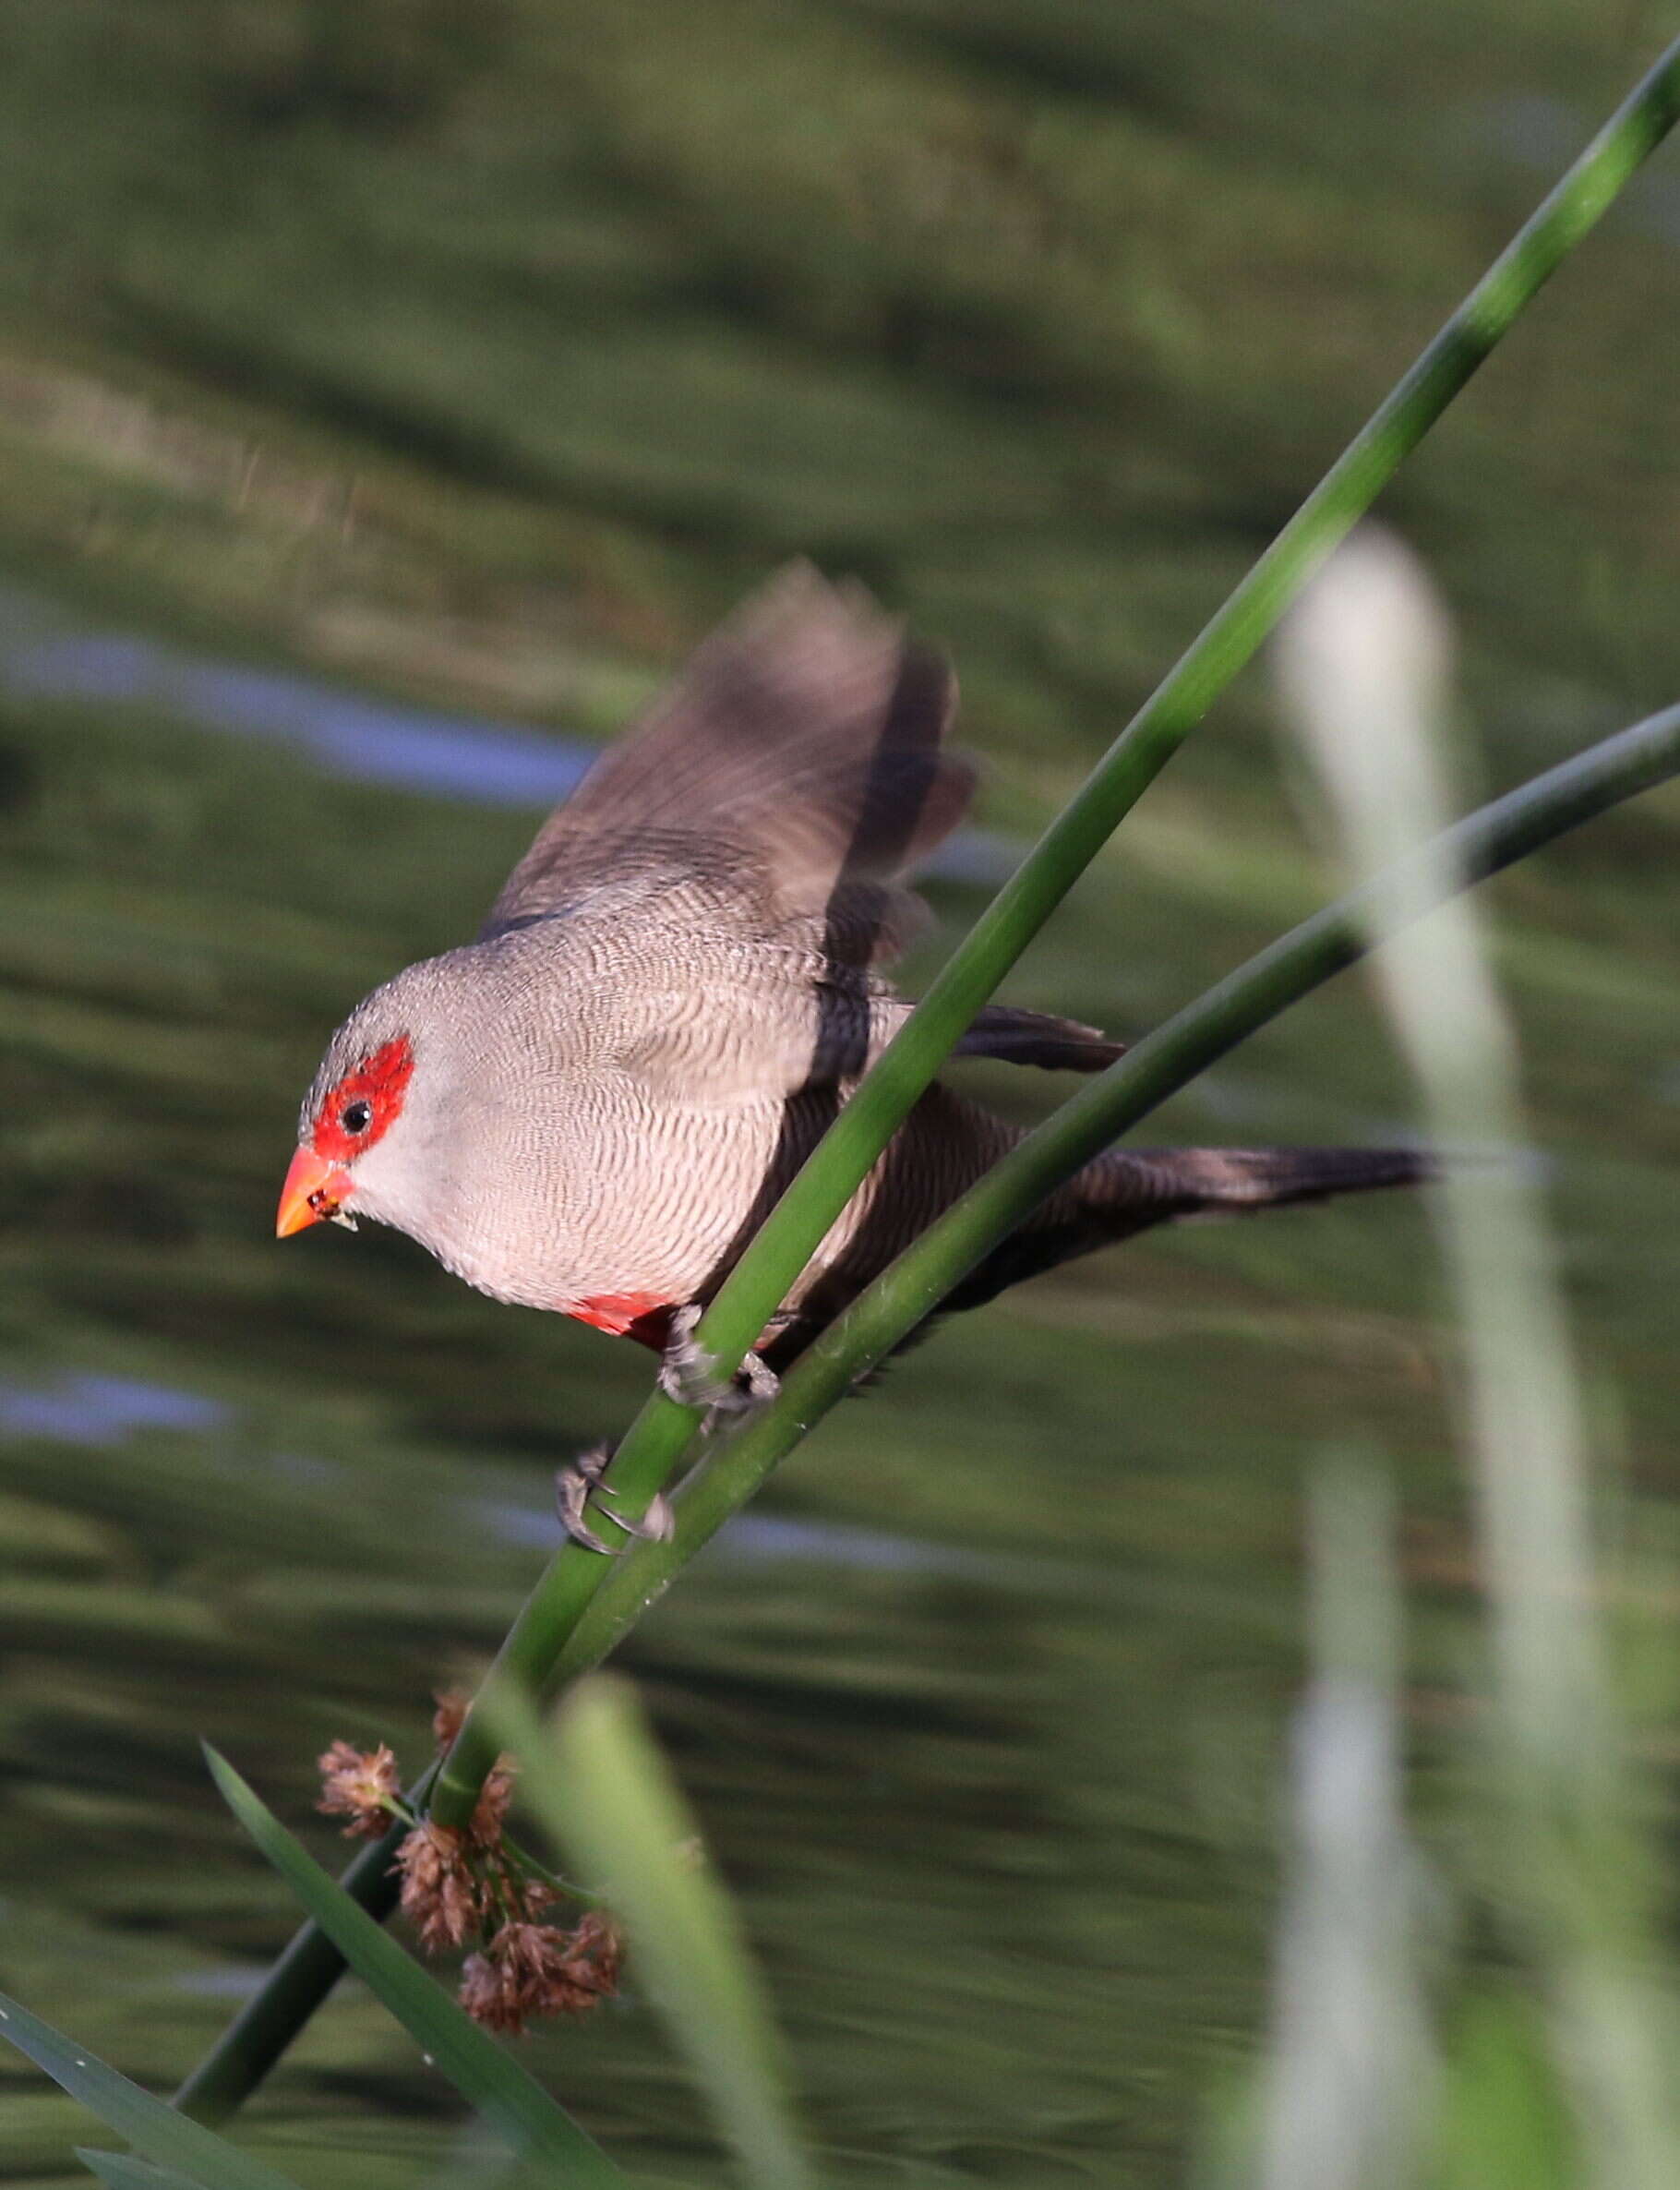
{"type": "Point", "coordinates": [387, 396]}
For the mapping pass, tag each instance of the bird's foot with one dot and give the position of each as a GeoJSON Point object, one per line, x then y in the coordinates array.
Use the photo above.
{"type": "Point", "coordinates": [688, 1374]}
{"type": "Point", "coordinates": [574, 1486]}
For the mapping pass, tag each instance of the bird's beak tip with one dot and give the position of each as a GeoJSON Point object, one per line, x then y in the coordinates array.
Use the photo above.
{"type": "Point", "coordinates": [313, 1190]}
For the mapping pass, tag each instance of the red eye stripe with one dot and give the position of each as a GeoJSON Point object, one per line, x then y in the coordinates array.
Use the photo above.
{"type": "Point", "coordinates": [380, 1081]}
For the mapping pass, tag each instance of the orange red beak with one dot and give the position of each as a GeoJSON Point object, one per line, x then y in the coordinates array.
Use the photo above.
{"type": "Point", "coordinates": [314, 1190]}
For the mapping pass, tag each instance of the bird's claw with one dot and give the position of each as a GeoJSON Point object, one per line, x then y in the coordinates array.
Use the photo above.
{"type": "Point", "coordinates": [575, 1485]}
{"type": "Point", "coordinates": [688, 1374]}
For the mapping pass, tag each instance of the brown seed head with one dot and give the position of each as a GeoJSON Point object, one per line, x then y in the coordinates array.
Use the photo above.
{"type": "Point", "coordinates": [440, 1896]}
{"type": "Point", "coordinates": [492, 1806]}
{"type": "Point", "coordinates": [530, 1970]}
{"type": "Point", "coordinates": [532, 1895]}
{"type": "Point", "coordinates": [449, 1715]}
{"type": "Point", "coordinates": [488, 1997]}
{"type": "Point", "coordinates": [360, 1785]}
{"type": "Point", "coordinates": [597, 1950]}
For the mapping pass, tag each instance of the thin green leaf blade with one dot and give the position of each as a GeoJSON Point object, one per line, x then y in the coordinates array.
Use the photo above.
{"type": "Point", "coordinates": [491, 2082]}
{"type": "Point", "coordinates": [152, 2127]}
{"type": "Point", "coordinates": [121, 2171]}
{"type": "Point", "coordinates": [600, 1786]}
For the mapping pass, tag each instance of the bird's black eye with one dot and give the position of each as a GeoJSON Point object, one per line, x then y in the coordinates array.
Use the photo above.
{"type": "Point", "coordinates": [357, 1117]}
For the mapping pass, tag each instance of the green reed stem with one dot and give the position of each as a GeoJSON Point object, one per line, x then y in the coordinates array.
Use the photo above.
{"type": "Point", "coordinates": [1162, 1064]}
{"type": "Point", "coordinates": [779, 1251]}
{"type": "Point", "coordinates": [308, 1968]}
{"type": "Point", "coordinates": [542, 1636]}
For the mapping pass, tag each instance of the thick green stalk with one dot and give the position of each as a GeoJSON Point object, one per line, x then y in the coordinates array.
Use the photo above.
{"type": "Point", "coordinates": [308, 1968]}
{"type": "Point", "coordinates": [1160, 1066]}
{"type": "Point", "coordinates": [658, 1438]}
{"type": "Point", "coordinates": [779, 1251]}
{"type": "Point", "coordinates": [784, 1243]}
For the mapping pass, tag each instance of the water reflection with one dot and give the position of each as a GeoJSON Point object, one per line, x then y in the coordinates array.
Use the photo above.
{"type": "Point", "coordinates": [92, 1410]}
{"type": "Point", "coordinates": [762, 1536]}
{"type": "Point", "coordinates": [45, 654]}
{"type": "Point", "coordinates": [1543, 133]}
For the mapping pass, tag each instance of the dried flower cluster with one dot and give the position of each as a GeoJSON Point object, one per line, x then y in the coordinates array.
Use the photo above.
{"type": "Point", "coordinates": [534, 1970]}
{"type": "Point", "coordinates": [449, 1717]}
{"type": "Point", "coordinates": [476, 1886]}
{"type": "Point", "coordinates": [361, 1786]}
{"type": "Point", "coordinates": [440, 1897]}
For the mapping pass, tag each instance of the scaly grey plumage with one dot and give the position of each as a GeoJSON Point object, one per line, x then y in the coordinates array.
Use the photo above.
{"type": "Point", "coordinates": [591, 1107]}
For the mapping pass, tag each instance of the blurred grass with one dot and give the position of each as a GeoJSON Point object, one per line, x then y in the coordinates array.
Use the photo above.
{"type": "Point", "coordinates": [1365, 675]}
{"type": "Point", "coordinates": [488, 378]}
{"type": "Point", "coordinates": [601, 1787]}
{"type": "Point", "coordinates": [827, 278]}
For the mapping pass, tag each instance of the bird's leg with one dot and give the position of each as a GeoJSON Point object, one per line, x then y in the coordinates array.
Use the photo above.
{"type": "Point", "coordinates": [576, 1484]}
{"type": "Point", "coordinates": [688, 1374]}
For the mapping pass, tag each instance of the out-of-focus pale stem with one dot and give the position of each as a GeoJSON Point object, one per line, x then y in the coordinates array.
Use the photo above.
{"type": "Point", "coordinates": [1349, 2066]}
{"type": "Point", "coordinates": [598, 1782]}
{"type": "Point", "coordinates": [1364, 665]}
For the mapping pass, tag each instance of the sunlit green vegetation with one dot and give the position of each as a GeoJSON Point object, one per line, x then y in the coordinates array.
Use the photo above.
{"type": "Point", "coordinates": [483, 353]}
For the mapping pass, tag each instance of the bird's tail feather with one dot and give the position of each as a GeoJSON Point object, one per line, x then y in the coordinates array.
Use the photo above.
{"type": "Point", "coordinates": [1134, 1188]}
{"type": "Point", "coordinates": [1131, 1190]}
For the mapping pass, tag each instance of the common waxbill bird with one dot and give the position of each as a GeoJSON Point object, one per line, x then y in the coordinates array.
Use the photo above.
{"type": "Point", "coordinates": [591, 1107]}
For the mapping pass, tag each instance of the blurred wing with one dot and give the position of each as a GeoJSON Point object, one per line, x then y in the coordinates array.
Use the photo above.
{"type": "Point", "coordinates": [722, 1044]}
{"type": "Point", "coordinates": [791, 774]}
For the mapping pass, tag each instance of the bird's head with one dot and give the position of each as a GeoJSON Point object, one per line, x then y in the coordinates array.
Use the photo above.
{"type": "Point", "coordinates": [407, 1119]}
{"type": "Point", "coordinates": [378, 1127]}
{"type": "Point", "coordinates": [421, 1107]}
{"type": "Point", "coordinates": [357, 1101]}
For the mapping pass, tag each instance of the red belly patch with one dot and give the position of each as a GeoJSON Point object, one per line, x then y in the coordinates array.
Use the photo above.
{"type": "Point", "coordinates": [640, 1315]}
